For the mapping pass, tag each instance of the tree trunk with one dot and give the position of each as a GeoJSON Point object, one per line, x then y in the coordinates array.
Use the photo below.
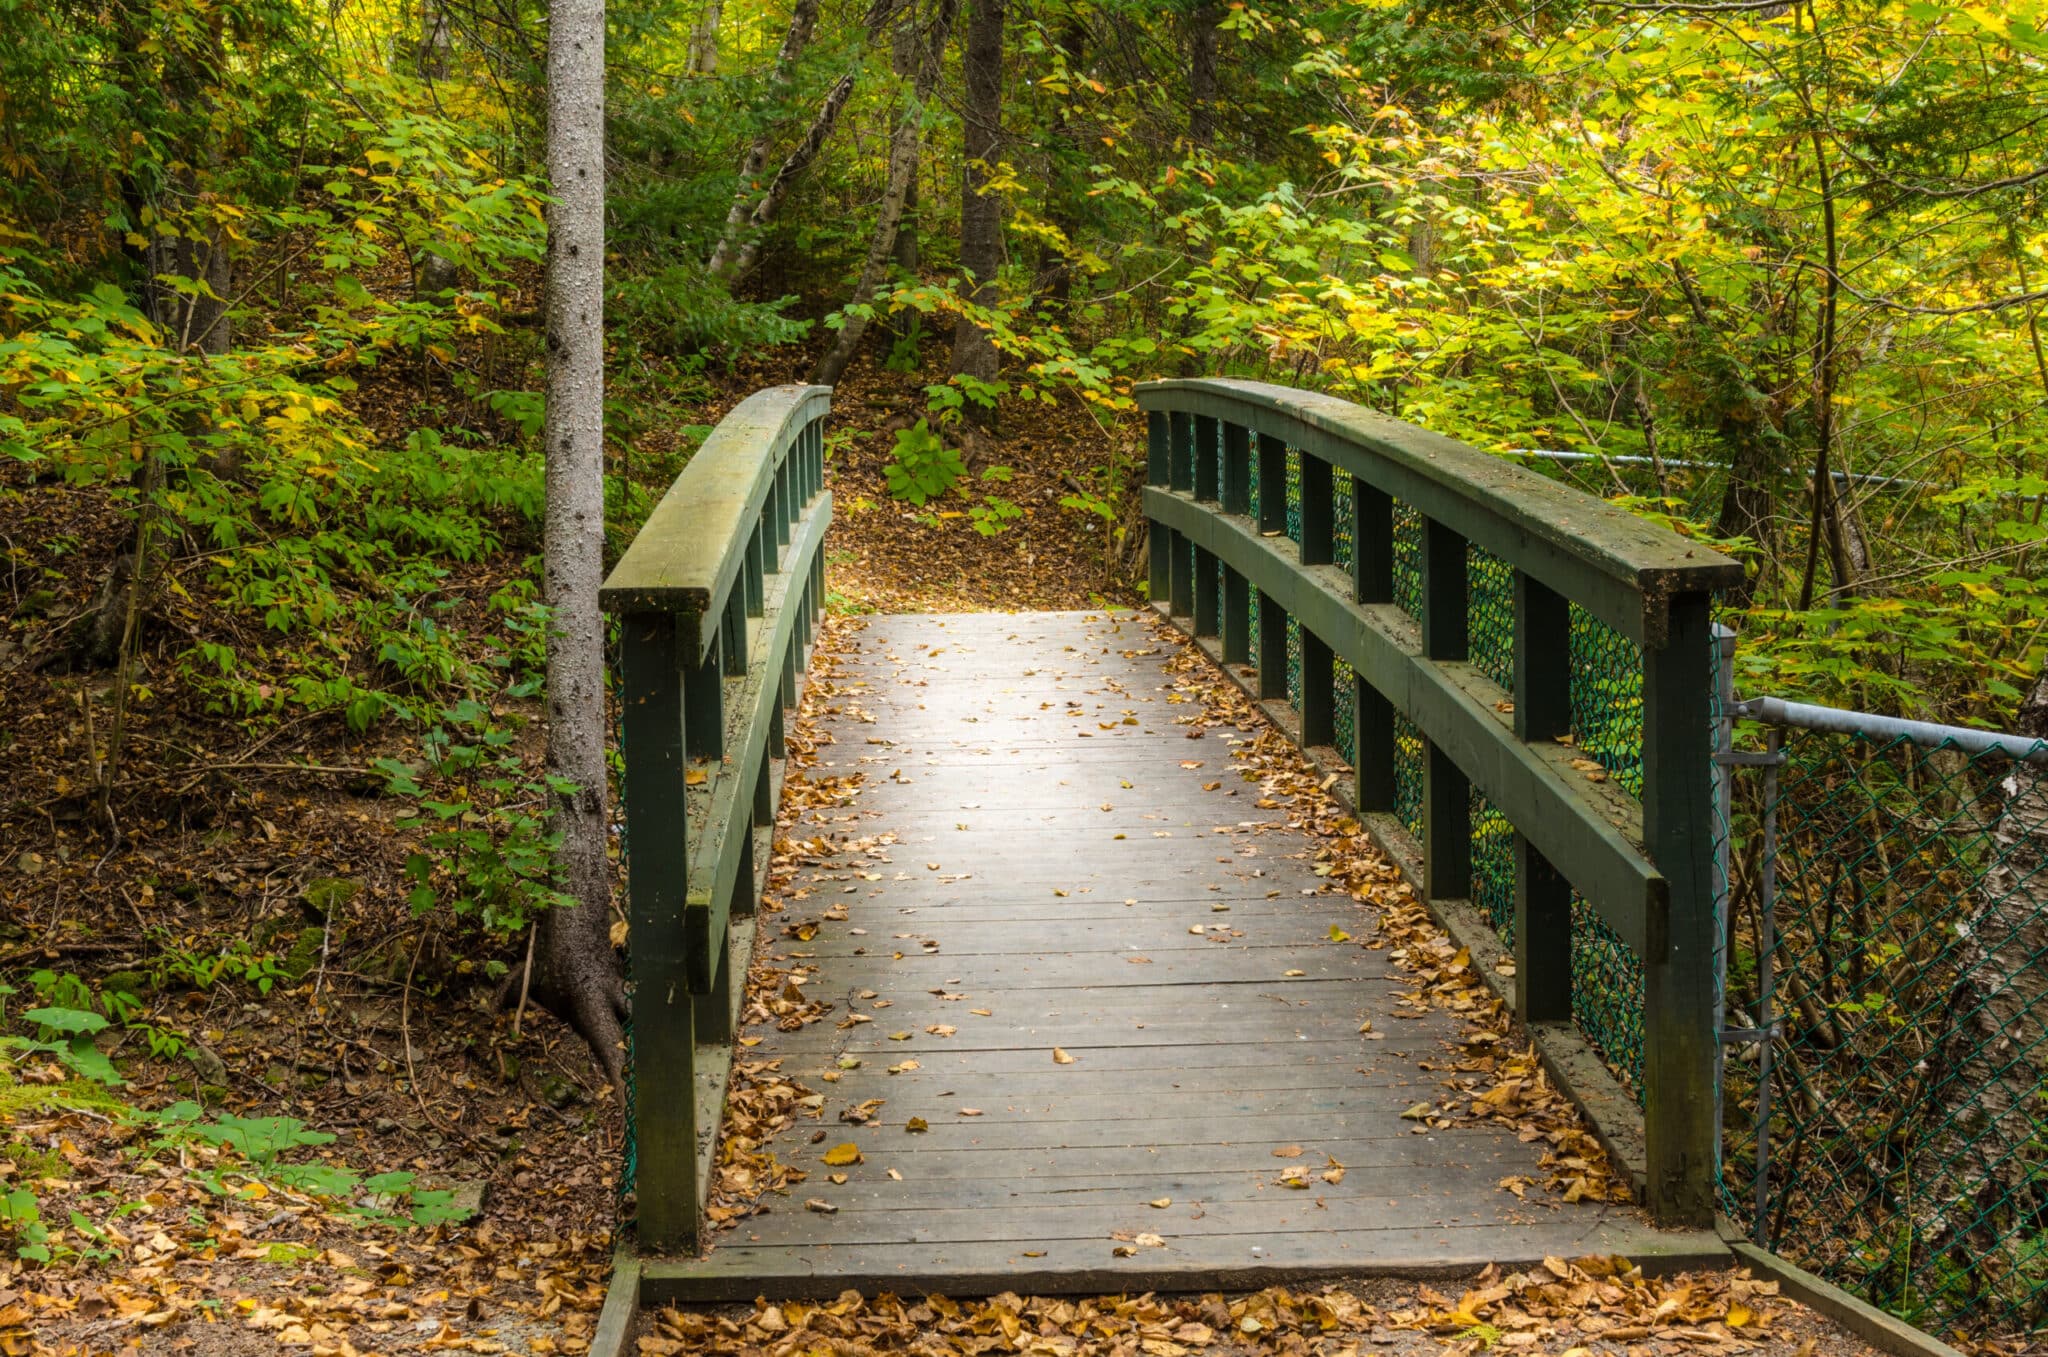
{"type": "Point", "coordinates": [803, 21]}
{"type": "Point", "coordinates": [703, 56]}
{"type": "Point", "coordinates": [436, 42]}
{"type": "Point", "coordinates": [1974, 1168]}
{"type": "Point", "coordinates": [1055, 262]}
{"type": "Point", "coordinates": [740, 244]}
{"type": "Point", "coordinates": [904, 146]}
{"type": "Point", "coordinates": [575, 971]}
{"type": "Point", "coordinates": [981, 214]}
{"type": "Point", "coordinates": [1202, 73]}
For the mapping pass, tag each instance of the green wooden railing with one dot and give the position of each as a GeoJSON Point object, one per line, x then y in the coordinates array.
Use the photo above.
{"type": "Point", "coordinates": [718, 599]}
{"type": "Point", "coordinates": [1255, 493]}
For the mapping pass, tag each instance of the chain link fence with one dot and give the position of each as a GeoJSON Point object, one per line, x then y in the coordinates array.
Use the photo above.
{"type": "Point", "coordinates": [1887, 995]}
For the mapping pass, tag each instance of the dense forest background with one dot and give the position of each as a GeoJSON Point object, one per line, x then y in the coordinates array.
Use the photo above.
{"type": "Point", "coordinates": [272, 355]}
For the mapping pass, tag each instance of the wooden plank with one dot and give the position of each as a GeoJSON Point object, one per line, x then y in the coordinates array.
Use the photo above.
{"type": "Point", "coordinates": [1620, 567]}
{"type": "Point", "coordinates": [686, 557]}
{"type": "Point", "coordinates": [738, 1271]}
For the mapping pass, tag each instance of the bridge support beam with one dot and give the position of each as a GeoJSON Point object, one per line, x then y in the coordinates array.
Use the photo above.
{"type": "Point", "coordinates": [664, 1017]}
{"type": "Point", "coordinates": [1678, 964]}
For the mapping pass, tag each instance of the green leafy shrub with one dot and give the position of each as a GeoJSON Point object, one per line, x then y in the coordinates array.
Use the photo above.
{"type": "Point", "coordinates": [922, 467]}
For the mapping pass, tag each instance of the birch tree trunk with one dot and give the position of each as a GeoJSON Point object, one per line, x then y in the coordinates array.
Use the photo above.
{"type": "Point", "coordinates": [703, 56]}
{"type": "Point", "coordinates": [904, 145]}
{"type": "Point", "coordinates": [740, 244]}
{"type": "Point", "coordinates": [981, 214]}
{"type": "Point", "coordinates": [575, 971]}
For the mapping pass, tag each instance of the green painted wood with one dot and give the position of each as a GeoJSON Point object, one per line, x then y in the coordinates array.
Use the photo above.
{"type": "Point", "coordinates": [1543, 711]}
{"type": "Point", "coordinates": [1237, 469]}
{"type": "Point", "coordinates": [1272, 473]}
{"type": "Point", "coordinates": [1158, 457]}
{"type": "Point", "coordinates": [1446, 592]}
{"type": "Point", "coordinates": [1623, 569]}
{"type": "Point", "coordinates": [1446, 826]}
{"type": "Point", "coordinates": [1208, 466]}
{"type": "Point", "coordinates": [664, 1037]}
{"type": "Point", "coordinates": [1372, 543]}
{"type": "Point", "coordinates": [1593, 831]}
{"type": "Point", "coordinates": [1182, 568]}
{"type": "Point", "coordinates": [1543, 937]}
{"type": "Point", "coordinates": [1318, 512]}
{"type": "Point", "coordinates": [1272, 647]}
{"type": "Point", "coordinates": [1207, 613]}
{"type": "Point", "coordinates": [1180, 464]}
{"type": "Point", "coordinates": [1679, 1048]}
{"type": "Point", "coordinates": [1373, 752]}
{"type": "Point", "coordinates": [1236, 621]}
{"type": "Point", "coordinates": [687, 557]}
{"type": "Point", "coordinates": [1318, 691]}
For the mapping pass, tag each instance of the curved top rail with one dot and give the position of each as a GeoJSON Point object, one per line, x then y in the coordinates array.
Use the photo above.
{"type": "Point", "coordinates": [688, 555]}
{"type": "Point", "coordinates": [1580, 546]}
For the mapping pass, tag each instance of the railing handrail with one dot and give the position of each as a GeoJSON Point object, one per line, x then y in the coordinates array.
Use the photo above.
{"type": "Point", "coordinates": [1569, 540]}
{"type": "Point", "coordinates": [687, 557]}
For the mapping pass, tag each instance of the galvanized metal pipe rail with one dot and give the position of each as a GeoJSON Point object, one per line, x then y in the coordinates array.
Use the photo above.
{"type": "Point", "coordinates": [718, 598]}
{"type": "Point", "coordinates": [1647, 867]}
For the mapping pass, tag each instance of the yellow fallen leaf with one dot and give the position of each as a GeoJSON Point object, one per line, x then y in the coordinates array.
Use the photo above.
{"type": "Point", "coordinates": [1419, 1112]}
{"type": "Point", "coordinates": [1338, 934]}
{"type": "Point", "coordinates": [1060, 1057]}
{"type": "Point", "coordinates": [917, 1124]}
{"type": "Point", "coordinates": [842, 1154]}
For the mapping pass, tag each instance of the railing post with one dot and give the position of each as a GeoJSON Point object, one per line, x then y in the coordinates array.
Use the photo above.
{"type": "Point", "coordinates": [704, 704]}
{"type": "Point", "coordinates": [1237, 469]}
{"type": "Point", "coordinates": [1208, 589]}
{"type": "Point", "coordinates": [1318, 511]}
{"type": "Point", "coordinates": [1272, 486]}
{"type": "Point", "coordinates": [1180, 463]}
{"type": "Point", "coordinates": [1272, 649]}
{"type": "Point", "coordinates": [1678, 968]}
{"type": "Point", "coordinates": [1159, 537]}
{"type": "Point", "coordinates": [1372, 581]}
{"type": "Point", "coordinates": [1237, 618]}
{"type": "Point", "coordinates": [1207, 466]}
{"type": "Point", "coordinates": [1318, 691]}
{"type": "Point", "coordinates": [651, 695]}
{"type": "Point", "coordinates": [1446, 792]}
{"type": "Point", "coordinates": [1543, 711]}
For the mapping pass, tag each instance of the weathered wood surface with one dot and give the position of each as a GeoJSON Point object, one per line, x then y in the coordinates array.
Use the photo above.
{"type": "Point", "coordinates": [1051, 859]}
{"type": "Point", "coordinates": [1619, 566]}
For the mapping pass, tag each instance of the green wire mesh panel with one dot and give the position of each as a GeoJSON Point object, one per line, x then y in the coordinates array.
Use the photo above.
{"type": "Point", "coordinates": [1408, 559]}
{"type": "Point", "coordinates": [1908, 1146]}
{"type": "Point", "coordinates": [1493, 866]}
{"type": "Point", "coordinates": [1408, 774]}
{"type": "Point", "coordinates": [1490, 616]}
{"type": "Point", "coordinates": [1607, 993]}
{"type": "Point", "coordinates": [1607, 698]}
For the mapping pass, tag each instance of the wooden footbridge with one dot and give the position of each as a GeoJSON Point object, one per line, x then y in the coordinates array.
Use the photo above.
{"type": "Point", "coordinates": [1094, 1014]}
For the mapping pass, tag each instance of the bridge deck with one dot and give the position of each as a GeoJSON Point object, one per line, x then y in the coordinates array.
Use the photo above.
{"type": "Point", "coordinates": [1069, 880]}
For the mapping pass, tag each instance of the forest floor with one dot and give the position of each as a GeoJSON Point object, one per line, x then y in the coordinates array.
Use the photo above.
{"type": "Point", "coordinates": [282, 992]}
{"type": "Point", "coordinates": [254, 914]}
